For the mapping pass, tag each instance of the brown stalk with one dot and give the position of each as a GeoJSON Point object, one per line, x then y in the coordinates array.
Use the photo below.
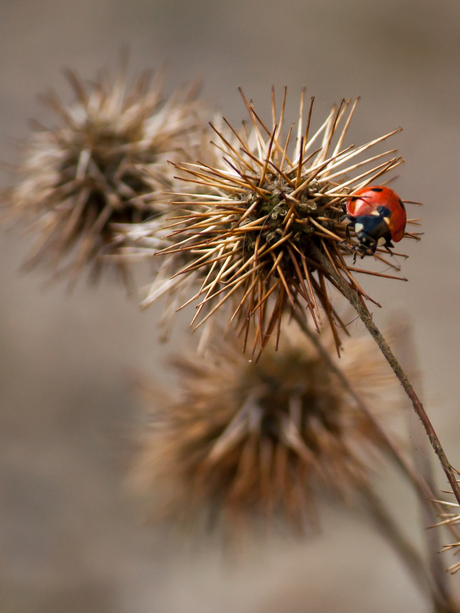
{"type": "Point", "coordinates": [424, 491]}
{"type": "Point", "coordinates": [407, 552]}
{"type": "Point", "coordinates": [423, 487]}
{"type": "Point", "coordinates": [367, 320]}
{"type": "Point", "coordinates": [405, 345]}
{"type": "Point", "coordinates": [412, 558]}
{"type": "Point", "coordinates": [267, 158]}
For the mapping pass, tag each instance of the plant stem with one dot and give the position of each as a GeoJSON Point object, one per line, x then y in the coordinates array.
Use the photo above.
{"type": "Point", "coordinates": [366, 318]}
{"type": "Point", "coordinates": [424, 491]}
{"type": "Point", "coordinates": [407, 552]}
{"type": "Point", "coordinates": [423, 488]}
{"type": "Point", "coordinates": [405, 346]}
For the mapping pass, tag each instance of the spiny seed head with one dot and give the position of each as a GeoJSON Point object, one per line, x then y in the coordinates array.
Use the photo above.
{"type": "Point", "coordinates": [266, 215]}
{"type": "Point", "coordinates": [253, 441]}
{"type": "Point", "coordinates": [105, 163]}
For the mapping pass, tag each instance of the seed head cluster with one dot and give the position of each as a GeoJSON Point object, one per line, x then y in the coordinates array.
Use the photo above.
{"type": "Point", "coordinates": [249, 441]}
{"type": "Point", "coordinates": [105, 163]}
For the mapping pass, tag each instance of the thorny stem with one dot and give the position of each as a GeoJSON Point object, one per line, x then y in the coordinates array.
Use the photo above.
{"type": "Point", "coordinates": [404, 343]}
{"type": "Point", "coordinates": [366, 318]}
{"type": "Point", "coordinates": [403, 548]}
{"type": "Point", "coordinates": [422, 487]}
{"type": "Point", "coordinates": [424, 491]}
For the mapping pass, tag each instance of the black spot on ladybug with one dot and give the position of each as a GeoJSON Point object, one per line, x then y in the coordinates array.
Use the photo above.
{"type": "Point", "coordinates": [383, 211]}
{"type": "Point", "coordinates": [377, 189]}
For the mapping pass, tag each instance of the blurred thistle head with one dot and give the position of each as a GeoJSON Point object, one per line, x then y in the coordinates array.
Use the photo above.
{"type": "Point", "coordinates": [143, 241]}
{"type": "Point", "coordinates": [104, 163]}
{"type": "Point", "coordinates": [268, 214]}
{"type": "Point", "coordinates": [255, 441]}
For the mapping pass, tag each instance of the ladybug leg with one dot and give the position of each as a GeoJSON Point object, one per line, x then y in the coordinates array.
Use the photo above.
{"type": "Point", "coordinates": [347, 247]}
{"type": "Point", "coordinates": [362, 250]}
{"type": "Point", "coordinates": [385, 242]}
{"type": "Point", "coordinates": [387, 247]}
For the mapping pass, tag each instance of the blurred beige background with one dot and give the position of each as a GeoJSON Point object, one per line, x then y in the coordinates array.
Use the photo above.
{"type": "Point", "coordinates": [70, 540]}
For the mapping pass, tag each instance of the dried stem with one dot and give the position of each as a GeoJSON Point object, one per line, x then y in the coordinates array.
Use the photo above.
{"type": "Point", "coordinates": [424, 491]}
{"type": "Point", "coordinates": [405, 346]}
{"type": "Point", "coordinates": [423, 487]}
{"type": "Point", "coordinates": [366, 318]}
{"type": "Point", "coordinates": [407, 552]}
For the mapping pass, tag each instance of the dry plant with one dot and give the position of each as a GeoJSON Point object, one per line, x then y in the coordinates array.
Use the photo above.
{"type": "Point", "coordinates": [268, 227]}
{"type": "Point", "coordinates": [250, 440]}
{"type": "Point", "coordinates": [256, 226]}
{"type": "Point", "coordinates": [265, 213]}
{"type": "Point", "coordinates": [256, 446]}
{"type": "Point", "coordinates": [105, 163]}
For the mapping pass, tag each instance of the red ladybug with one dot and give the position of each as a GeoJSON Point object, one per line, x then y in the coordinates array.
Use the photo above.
{"type": "Point", "coordinates": [378, 216]}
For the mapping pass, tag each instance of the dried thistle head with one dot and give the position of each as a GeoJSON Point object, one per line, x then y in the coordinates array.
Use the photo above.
{"type": "Point", "coordinates": [105, 163]}
{"type": "Point", "coordinates": [256, 440]}
{"type": "Point", "coordinates": [266, 215]}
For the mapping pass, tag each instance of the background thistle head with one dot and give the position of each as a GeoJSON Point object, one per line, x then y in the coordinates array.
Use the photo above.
{"type": "Point", "coordinates": [104, 163]}
{"type": "Point", "coordinates": [248, 441]}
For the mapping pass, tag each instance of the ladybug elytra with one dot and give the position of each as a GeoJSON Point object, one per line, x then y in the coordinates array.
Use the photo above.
{"type": "Point", "coordinates": [378, 216]}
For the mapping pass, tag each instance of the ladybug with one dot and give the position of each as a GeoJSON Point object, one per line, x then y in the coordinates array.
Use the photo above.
{"type": "Point", "coordinates": [378, 216]}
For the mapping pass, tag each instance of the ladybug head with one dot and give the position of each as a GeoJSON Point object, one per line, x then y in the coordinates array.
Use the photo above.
{"type": "Point", "coordinates": [372, 230]}
{"type": "Point", "coordinates": [367, 244]}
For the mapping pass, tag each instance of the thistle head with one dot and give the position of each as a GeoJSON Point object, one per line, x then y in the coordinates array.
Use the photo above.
{"type": "Point", "coordinates": [268, 212]}
{"type": "Point", "coordinates": [249, 441]}
{"type": "Point", "coordinates": [104, 163]}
